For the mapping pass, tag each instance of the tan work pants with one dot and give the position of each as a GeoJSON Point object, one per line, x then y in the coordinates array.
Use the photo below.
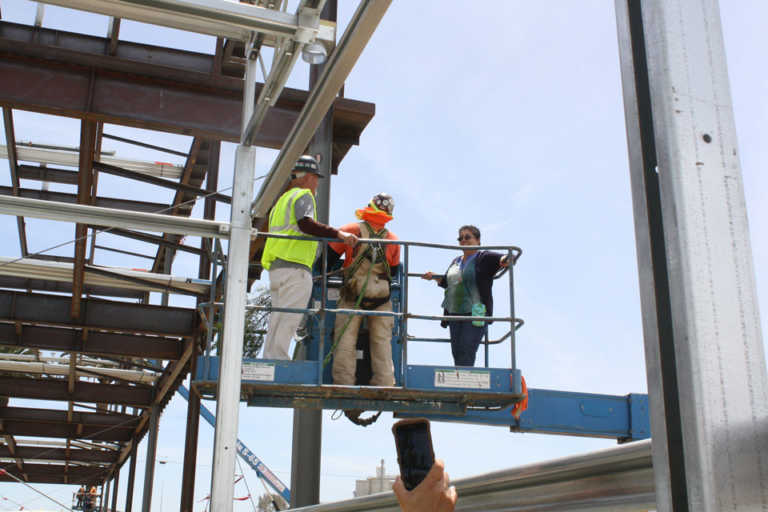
{"type": "Point", "coordinates": [380, 335]}
{"type": "Point", "coordinates": [290, 288]}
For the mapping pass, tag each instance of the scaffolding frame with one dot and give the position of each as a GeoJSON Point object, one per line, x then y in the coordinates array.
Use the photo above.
{"type": "Point", "coordinates": [258, 27]}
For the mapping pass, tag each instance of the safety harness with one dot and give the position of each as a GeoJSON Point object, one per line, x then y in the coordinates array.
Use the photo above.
{"type": "Point", "coordinates": [374, 253]}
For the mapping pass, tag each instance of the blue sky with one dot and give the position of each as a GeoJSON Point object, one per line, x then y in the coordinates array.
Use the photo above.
{"type": "Point", "coordinates": [508, 116]}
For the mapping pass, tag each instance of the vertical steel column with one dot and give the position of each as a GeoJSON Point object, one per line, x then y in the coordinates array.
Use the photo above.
{"type": "Point", "coordinates": [10, 141]}
{"type": "Point", "coordinates": [105, 495]}
{"type": "Point", "coordinates": [707, 381]}
{"type": "Point", "coordinates": [149, 467]}
{"type": "Point", "coordinates": [231, 350]}
{"type": "Point", "coordinates": [664, 407]}
{"type": "Point", "coordinates": [308, 423]}
{"type": "Point", "coordinates": [186, 502]}
{"type": "Point", "coordinates": [131, 479]}
{"type": "Point", "coordinates": [167, 262]}
{"type": "Point", "coordinates": [114, 490]}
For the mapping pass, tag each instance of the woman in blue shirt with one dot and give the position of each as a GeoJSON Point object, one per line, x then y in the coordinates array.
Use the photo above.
{"type": "Point", "coordinates": [467, 284]}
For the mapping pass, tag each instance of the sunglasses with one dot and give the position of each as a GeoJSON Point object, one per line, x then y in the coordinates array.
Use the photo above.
{"type": "Point", "coordinates": [465, 237]}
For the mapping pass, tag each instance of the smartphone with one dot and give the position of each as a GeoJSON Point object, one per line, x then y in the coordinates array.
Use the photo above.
{"type": "Point", "coordinates": [415, 455]}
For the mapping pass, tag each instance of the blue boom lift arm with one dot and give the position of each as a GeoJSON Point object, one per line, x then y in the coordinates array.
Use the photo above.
{"type": "Point", "coordinates": [247, 455]}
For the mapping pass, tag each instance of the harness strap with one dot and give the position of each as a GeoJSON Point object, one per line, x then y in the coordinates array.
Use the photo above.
{"type": "Point", "coordinates": [368, 252]}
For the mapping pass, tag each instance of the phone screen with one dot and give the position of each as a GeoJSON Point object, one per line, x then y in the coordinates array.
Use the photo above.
{"type": "Point", "coordinates": [414, 452]}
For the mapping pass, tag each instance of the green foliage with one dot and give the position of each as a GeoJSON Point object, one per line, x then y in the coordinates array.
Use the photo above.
{"type": "Point", "coordinates": [255, 324]}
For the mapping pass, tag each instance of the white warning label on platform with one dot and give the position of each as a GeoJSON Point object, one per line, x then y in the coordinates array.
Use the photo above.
{"type": "Point", "coordinates": [258, 371]}
{"type": "Point", "coordinates": [472, 379]}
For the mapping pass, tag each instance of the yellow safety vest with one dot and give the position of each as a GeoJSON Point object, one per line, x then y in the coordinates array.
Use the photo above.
{"type": "Point", "coordinates": [283, 220]}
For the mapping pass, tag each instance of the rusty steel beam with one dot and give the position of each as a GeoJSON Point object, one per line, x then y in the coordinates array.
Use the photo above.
{"type": "Point", "coordinates": [84, 189]}
{"type": "Point", "coordinates": [144, 145]}
{"type": "Point", "coordinates": [113, 35]}
{"type": "Point", "coordinates": [128, 100]}
{"type": "Point", "coordinates": [51, 257]}
{"type": "Point", "coordinates": [13, 450]}
{"type": "Point", "coordinates": [105, 202]}
{"type": "Point", "coordinates": [98, 314]}
{"type": "Point", "coordinates": [116, 479]}
{"type": "Point", "coordinates": [154, 239]}
{"type": "Point", "coordinates": [147, 87]}
{"type": "Point", "coordinates": [13, 164]}
{"type": "Point", "coordinates": [66, 431]}
{"type": "Point", "coordinates": [193, 403]}
{"type": "Point", "coordinates": [95, 187]}
{"type": "Point", "coordinates": [56, 474]}
{"type": "Point", "coordinates": [160, 182]}
{"type": "Point", "coordinates": [139, 281]}
{"type": "Point", "coordinates": [44, 285]}
{"type": "Point", "coordinates": [127, 253]}
{"type": "Point", "coordinates": [37, 173]}
{"type": "Point", "coordinates": [88, 392]}
{"type": "Point", "coordinates": [43, 416]}
{"type": "Point", "coordinates": [95, 342]}
{"type": "Point", "coordinates": [48, 453]}
{"type": "Point", "coordinates": [131, 478]}
{"type": "Point", "coordinates": [166, 253]}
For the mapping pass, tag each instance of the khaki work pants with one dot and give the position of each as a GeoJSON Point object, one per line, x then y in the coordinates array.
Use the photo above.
{"type": "Point", "coordinates": [290, 288]}
{"type": "Point", "coordinates": [380, 335]}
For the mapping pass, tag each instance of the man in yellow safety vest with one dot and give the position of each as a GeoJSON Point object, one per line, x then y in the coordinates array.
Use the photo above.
{"type": "Point", "coordinates": [289, 261]}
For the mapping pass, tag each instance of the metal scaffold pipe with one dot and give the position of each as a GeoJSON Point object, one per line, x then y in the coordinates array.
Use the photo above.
{"type": "Point", "coordinates": [222, 18]}
{"type": "Point", "coordinates": [231, 347]}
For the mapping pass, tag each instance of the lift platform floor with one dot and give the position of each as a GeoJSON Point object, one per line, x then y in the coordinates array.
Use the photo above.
{"type": "Point", "coordinates": [429, 389]}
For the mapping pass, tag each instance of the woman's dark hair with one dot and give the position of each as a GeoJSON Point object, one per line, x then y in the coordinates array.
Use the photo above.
{"type": "Point", "coordinates": [472, 229]}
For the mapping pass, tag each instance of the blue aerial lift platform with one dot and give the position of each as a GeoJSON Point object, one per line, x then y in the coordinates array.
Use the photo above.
{"type": "Point", "coordinates": [480, 395]}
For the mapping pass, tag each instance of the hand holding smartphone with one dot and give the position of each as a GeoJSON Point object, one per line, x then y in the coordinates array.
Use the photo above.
{"type": "Point", "coordinates": [415, 454]}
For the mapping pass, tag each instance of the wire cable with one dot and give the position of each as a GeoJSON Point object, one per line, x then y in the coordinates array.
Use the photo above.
{"type": "Point", "coordinates": [4, 472]}
{"type": "Point", "coordinates": [245, 481]}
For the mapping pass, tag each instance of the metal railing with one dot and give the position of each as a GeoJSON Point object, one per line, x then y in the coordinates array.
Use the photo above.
{"type": "Point", "coordinates": [513, 253]}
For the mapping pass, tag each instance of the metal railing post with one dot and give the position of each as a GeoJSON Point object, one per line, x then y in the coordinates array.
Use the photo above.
{"type": "Point", "coordinates": [512, 322]}
{"type": "Point", "coordinates": [321, 327]}
{"type": "Point", "coordinates": [404, 303]}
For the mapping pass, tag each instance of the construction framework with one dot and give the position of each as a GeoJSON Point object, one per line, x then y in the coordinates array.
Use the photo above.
{"type": "Point", "coordinates": [116, 360]}
{"type": "Point", "coordinates": [707, 379]}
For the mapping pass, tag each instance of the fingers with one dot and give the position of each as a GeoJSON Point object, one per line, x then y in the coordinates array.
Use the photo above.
{"type": "Point", "coordinates": [399, 490]}
{"type": "Point", "coordinates": [451, 496]}
{"type": "Point", "coordinates": [436, 473]}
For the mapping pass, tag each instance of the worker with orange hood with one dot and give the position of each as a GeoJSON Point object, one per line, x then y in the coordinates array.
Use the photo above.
{"type": "Point", "coordinates": [368, 270]}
